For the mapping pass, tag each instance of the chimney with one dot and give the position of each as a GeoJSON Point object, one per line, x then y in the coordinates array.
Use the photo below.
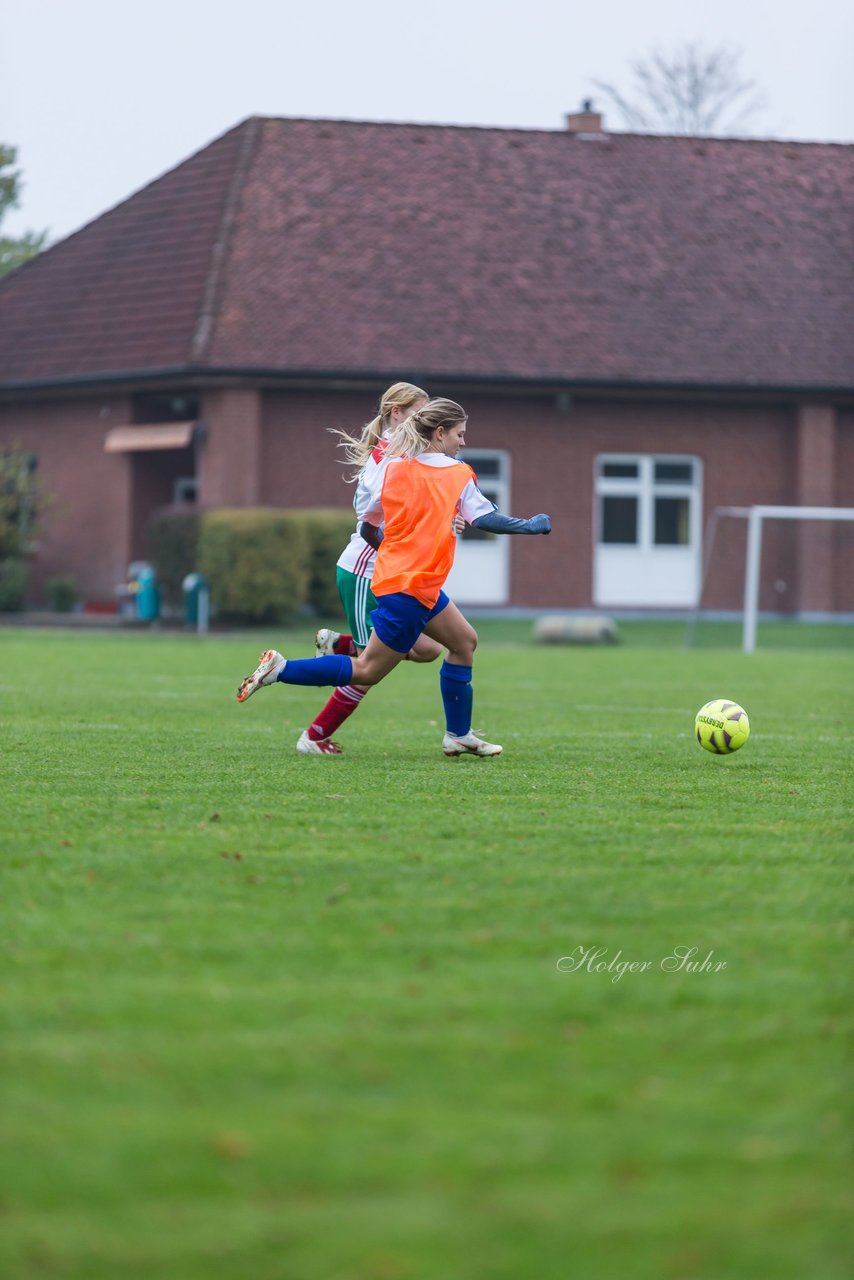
{"type": "Point", "coordinates": [584, 123]}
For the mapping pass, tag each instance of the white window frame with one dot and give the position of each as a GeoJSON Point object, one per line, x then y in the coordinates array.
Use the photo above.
{"type": "Point", "coordinates": [501, 482]}
{"type": "Point", "coordinates": [644, 573]}
{"type": "Point", "coordinates": [481, 572]}
{"type": "Point", "coordinates": [646, 489]}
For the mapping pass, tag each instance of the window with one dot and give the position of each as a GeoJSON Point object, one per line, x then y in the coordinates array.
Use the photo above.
{"type": "Point", "coordinates": [492, 471]}
{"type": "Point", "coordinates": [647, 543]}
{"type": "Point", "coordinates": [674, 472]}
{"type": "Point", "coordinates": [485, 465]}
{"type": "Point", "coordinates": [646, 501]}
{"type": "Point", "coordinates": [619, 520]}
{"type": "Point", "coordinates": [481, 572]}
{"type": "Point", "coordinates": [165, 406]}
{"type": "Point", "coordinates": [620, 470]}
{"type": "Point", "coordinates": [671, 522]}
{"type": "Point", "coordinates": [185, 490]}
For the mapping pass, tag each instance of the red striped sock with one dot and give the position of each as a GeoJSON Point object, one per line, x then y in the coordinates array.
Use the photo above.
{"type": "Point", "coordinates": [340, 706]}
{"type": "Point", "coordinates": [344, 644]}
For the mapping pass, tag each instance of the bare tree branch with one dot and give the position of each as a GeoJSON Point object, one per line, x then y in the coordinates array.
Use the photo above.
{"type": "Point", "coordinates": [689, 90]}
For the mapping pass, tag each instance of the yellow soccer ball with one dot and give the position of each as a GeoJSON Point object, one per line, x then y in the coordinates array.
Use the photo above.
{"type": "Point", "coordinates": [722, 726]}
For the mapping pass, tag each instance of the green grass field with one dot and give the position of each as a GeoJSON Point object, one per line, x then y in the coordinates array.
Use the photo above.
{"type": "Point", "coordinates": [268, 1016]}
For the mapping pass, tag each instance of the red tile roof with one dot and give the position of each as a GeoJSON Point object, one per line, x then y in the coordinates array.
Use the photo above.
{"type": "Point", "coordinates": [337, 246]}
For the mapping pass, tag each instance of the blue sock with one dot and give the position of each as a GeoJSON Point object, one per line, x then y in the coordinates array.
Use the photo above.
{"type": "Point", "coordinates": [455, 683]}
{"type": "Point", "coordinates": [334, 668]}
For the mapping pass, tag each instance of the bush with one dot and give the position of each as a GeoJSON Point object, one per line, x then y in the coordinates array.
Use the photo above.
{"type": "Point", "coordinates": [61, 593]}
{"type": "Point", "coordinates": [255, 561]}
{"type": "Point", "coordinates": [173, 548]}
{"type": "Point", "coordinates": [329, 530]}
{"type": "Point", "coordinates": [13, 584]}
{"type": "Point", "coordinates": [21, 504]}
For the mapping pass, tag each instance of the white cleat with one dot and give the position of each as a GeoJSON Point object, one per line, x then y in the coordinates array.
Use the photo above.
{"type": "Point", "coordinates": [307, 746]}
{"type": "Point", "coordinates": [470, 745]}
{"type": "Point", "coordinates": [266, 672]}
{"type": "Point", "coordinates": [325, 641]}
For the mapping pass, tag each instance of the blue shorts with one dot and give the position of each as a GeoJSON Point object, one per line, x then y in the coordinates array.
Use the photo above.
{"type": "Point", "coordinates": [399, 619]}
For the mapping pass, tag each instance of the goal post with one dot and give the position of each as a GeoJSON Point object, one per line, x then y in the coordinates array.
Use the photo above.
{"type": "Point", "coordinates": [755, 517]}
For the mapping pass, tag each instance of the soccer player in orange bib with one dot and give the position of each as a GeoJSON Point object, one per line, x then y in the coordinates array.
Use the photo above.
{"type": "Point", "coordinates": [421, 490]}
{"type": "Point", "coordinates": [355, 569]}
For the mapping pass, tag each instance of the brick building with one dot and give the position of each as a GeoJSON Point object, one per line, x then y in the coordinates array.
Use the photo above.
{"type": "Point", "coordinates": [642, 329]}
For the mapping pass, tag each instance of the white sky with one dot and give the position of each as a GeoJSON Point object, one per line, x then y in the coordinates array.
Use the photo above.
{"type": "Point", "coordinates": [100, 97]}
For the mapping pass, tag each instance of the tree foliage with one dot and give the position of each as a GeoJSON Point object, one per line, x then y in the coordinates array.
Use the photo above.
{"type": "Point", "coordinates": [21, 503]}
{"type": "Point", "coordinates": [14, 250]}
{"type": "Point", "coordinates": [687, 90]}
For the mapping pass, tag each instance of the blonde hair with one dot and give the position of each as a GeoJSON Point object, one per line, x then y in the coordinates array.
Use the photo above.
{"type": "Point", "coordinates": [414, 434]}
{"type": "Point", "coordinates": [358, 449]}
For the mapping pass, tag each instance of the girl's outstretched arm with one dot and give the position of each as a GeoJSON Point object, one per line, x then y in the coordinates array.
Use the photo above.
{"type": "Point", "coordinates": [495, 522]}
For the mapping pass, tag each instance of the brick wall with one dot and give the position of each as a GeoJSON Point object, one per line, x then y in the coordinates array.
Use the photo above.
{"type": "Point", "coordinates": [86, 527]}
{"type": "Point", "coordinates": [748, 455]}
{"type": "Point", "coordinates": [843, 556]}
{"type": "Point", "coordinates": [230, 461]}
{"type": "Point", "coordinates": [273, 448]}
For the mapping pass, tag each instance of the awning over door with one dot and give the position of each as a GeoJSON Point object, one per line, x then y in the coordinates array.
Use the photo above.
{"type": "Point", "coordinates": [133, 439]}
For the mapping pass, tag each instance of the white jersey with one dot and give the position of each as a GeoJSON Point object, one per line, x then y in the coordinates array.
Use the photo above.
{"type": "Point", "coordinates": [358, 556]}
{"type": "Point", "coordinates": [471, 506]}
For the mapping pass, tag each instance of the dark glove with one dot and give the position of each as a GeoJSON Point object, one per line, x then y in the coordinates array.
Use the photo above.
{"type": "Point", "coordinates": [372, 535]}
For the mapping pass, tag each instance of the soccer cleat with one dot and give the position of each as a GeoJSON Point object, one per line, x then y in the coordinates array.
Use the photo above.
{"type": "Point", "coordinates": [266, 672]}
{"type": "Point", "coordinates": [307, 746]}
{"type": "Point", "coordinates": [469, 745]}
{"type": "Point", "coordinates": [326, 640]}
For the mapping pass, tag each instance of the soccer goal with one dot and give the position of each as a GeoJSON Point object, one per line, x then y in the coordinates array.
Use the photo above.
{"type": "Point", "coordinates": [755, 517]}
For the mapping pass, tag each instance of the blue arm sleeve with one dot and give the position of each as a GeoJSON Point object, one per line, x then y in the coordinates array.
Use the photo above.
{"type": "Point", "coordinates": [495, 522]}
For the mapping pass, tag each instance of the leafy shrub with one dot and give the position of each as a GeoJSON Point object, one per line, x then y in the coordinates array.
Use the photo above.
{"type": "Point", "coordinates": [61, 593]}
{"type": "Point", "coordinates": [329, 530]}
{"type": "Point", "coordinates": [255, 561]}
{"type": "Point", "coordinates": [21, 503]}
{"type": "Point", "coordinates": [173, 546]}
{"type": "Point", "coordinates": [13, 584]}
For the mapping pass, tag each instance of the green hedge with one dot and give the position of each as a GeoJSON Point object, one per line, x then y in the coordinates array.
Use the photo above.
{"type": "Point", "coordinates": [329, 530]}
{"type": "Point", "coordinates": [61, 593]}
{"type": "Point", "coordinates": [255, 561]}
{"type": "Point", "coordinates": [173, 549]}
{"type": "Point", "coordinates": [13, 584]}
{"type": "Point", "coordinates": [262, 565]}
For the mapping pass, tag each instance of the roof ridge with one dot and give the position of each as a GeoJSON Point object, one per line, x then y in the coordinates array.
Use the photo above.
{"type": "Point", "coordinates": [608, 134]}
{"type": "Point", "coordinates": [210, 293]}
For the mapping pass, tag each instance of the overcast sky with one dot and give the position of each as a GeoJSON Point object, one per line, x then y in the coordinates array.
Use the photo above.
{"type": "Point", "coordinates": [101, 97]}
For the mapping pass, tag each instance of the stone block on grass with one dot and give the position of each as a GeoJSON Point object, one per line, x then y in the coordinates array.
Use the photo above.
{"type": "Point", "coordinates": [561, 628]}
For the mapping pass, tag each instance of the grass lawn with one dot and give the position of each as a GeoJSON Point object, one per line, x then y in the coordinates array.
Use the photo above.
{"type": "Point", "coordinates": [268, 1016]}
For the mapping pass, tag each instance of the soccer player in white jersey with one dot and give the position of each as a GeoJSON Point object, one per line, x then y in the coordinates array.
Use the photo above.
{"type": "Point", "coordinates": [424, 486]}
{"type": "Point", "coordinates": [355, 569]}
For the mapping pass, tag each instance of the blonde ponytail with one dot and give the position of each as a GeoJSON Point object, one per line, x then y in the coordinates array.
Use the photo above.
{"type": "Point", "coordinates": [358, 449]}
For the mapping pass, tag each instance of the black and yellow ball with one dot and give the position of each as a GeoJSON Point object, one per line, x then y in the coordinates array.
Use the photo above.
{"type": "Point", "coordinates": [722, 726]}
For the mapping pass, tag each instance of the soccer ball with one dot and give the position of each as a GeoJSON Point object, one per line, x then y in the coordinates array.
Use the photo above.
{"type": "Point", "coordinates": [722, 726]}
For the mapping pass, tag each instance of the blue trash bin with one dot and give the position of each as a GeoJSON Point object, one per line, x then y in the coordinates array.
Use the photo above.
{"type": "Point", "coordinates": [147, 595]}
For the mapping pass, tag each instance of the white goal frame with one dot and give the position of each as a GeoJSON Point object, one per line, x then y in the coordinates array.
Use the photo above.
{"type": "Point", "coordinates": [756, 516]}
